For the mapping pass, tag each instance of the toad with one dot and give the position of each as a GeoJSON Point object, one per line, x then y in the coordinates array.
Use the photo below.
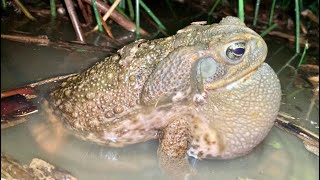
{"type": "Point", "coordinates": [204, 92]}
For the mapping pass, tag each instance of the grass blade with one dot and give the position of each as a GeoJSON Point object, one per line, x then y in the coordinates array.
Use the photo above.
{"type": "Point", "coordinates": [303, 54]}
{"type": "Point", "coordinates": [265, 32]}
{"type": "Point", "coordinates": [96, 13]}
{"type": "Point", "coordinates": [152, 15]}
{"type": "Point", "coordinates": [53, 8]}
{"type": "Point", "coordinates": [297, 26]}
{"type": "Point", "coordinates": [256, 12]}
{"type": "Point", "coordinates": [271, 12]}
{"type": "Point", "coordinates": [131, 11]}
{"type": "Point", "coordinates": [137, 19]}
{"type": "Point", "coordinates": [241, 10]}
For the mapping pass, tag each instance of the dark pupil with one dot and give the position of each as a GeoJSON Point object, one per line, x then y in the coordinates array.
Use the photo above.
{"type": "Point", "coordinates": [238, 51]}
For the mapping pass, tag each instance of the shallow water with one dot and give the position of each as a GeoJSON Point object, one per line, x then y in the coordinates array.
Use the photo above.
{"type": "Point", "coordinates": [280, 156]}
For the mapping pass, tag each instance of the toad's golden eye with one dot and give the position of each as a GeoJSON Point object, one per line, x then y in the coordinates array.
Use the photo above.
{"type": "Point", "coordinates": [235, 51]}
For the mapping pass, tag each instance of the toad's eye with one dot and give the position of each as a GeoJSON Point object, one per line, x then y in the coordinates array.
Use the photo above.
{"type": "Point", "coordinates": [235, 51]}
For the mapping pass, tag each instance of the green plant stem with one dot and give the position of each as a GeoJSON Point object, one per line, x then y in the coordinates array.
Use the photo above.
{"type": "Point", "coordinates": [271, 12]}
{"type": "Point", "coordinates": [241, 10]}
{"type": "Point", "coordinates": [131, 11]}
{"type": "Point", "coordinates": [213, 7]}
{"type": "Point", "coordinates": [137, 19]}
{"type": "Point", "coordinates": [301, 5]}
{"type": "Point", "coordinates": [24, 10]}
{"type": "Point", "coordinates": [96, 13]}
{"type": "Point", "coordinates": [152, 15]}
{"type": "Point", "coordinates": [256, 12]}
{"type": "Point", "coordinates": [53, 8]}
{"type": "Point", "coordinates": [119, 10]}
{"type": "Point", "coordinates": [297, 26]}
{"type": "Point", "coordinates": [265, 32]}
{"type": "Point", "coordinates": [4, 4]}
{"type": "Point", "coordinates": [171, 9]}
{"type": "Point", "coordinates": [303, 54]}
{"type": "Point", "coordinates": [289, 62]}
{"type": "Point", "coordinates": [210, 16]}
{"type": "Point", "coordinates": [122, 4]}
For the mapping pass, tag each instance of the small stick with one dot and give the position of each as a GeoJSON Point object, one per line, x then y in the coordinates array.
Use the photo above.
{"type": "Point", "coordinates": [310, 139]}
{"type": "Point", "coordinates": [117, 17]}
{"type": "Point", "coordinates": [292, 38]}
{"type": "Point", "coordinates": [28, 90]}
{"type": "Point", "coordinates": [107, 15]}
{"type": "Point", "coordinates": [24, 10]}
{"type": "Point", "coordinates": [310, 15]}
{"type": "Point", "coordinates": [106, 27]}
{"type": "Point", "coordinates": [89, 10]}
{"type": "Point", "coordinates": [9, 123]}
{"type": "Point", "coordinates": [44, 41]}
{"type": "Point", "coordinates": [46, 81]}
{"type": "Point", "coordinates": [83, 11]}
{"type": "Point", "coordinates": [74, 19]}
{"type": "Point", "coordinates": [281, 121]}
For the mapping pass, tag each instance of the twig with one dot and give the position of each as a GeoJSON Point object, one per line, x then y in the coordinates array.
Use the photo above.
{"type": "Point", "coordinates": [9, 123]}
{"type": "Point", "coordinates": [310, 139]}
{"type": "Point", "coordinates": [74, 19]}
{"type": "Point", "coordinates": [28, 90]}
{"type": "Point", "coordinates": [107, 15]}
{"type": "Point", "coordinates": [292, 38]}
{"type": "Point", "coordinates": [106, 27]}
{"type": "Point", "coordinates": [44, 41]}
{"type": "Point", "coordinates": [89, 10]}
{"type": "Point", "coordinates": [83, 11]}
{"type": "Point", "coordinates": [46, 81]}
{"type": "Point", "coordinates": [24, 10]}
{"type": "Point", "coordinates": [117, 17]}
{"type": "Point", "coordinates": [310, 15]}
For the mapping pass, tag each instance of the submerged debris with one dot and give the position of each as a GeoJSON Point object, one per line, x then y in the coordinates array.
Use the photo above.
{"type": "Point", "coordinates": [38, 169]}
{"type": "Point", "coordinates": [310, 140]}
{"type": "Point", "coordinates": [15, 106]}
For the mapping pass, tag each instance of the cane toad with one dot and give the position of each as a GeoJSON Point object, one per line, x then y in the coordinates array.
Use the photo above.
{"type": "Point", "coordinates": [204, 92]}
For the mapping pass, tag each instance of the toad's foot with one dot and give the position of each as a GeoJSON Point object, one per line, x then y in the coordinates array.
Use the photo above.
{"type": "Point", "coordinates": [174, 144]}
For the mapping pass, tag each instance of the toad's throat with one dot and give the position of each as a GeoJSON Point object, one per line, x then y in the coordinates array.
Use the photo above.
{"type": "Point", "coordinates": [233, 78]}
{"type": "Point", "coordinates": [235, 83]}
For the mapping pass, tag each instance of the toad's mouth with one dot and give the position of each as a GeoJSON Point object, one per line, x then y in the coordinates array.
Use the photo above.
{"type": "Point", "coordinates": [235, 83]}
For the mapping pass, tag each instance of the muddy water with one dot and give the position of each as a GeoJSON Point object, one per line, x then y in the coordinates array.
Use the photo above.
{"type": "Point", "coordinates": [280, 156]}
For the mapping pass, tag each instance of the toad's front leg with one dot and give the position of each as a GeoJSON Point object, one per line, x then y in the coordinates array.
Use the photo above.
{"type": "Point", "coordinates": [174, 143]}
